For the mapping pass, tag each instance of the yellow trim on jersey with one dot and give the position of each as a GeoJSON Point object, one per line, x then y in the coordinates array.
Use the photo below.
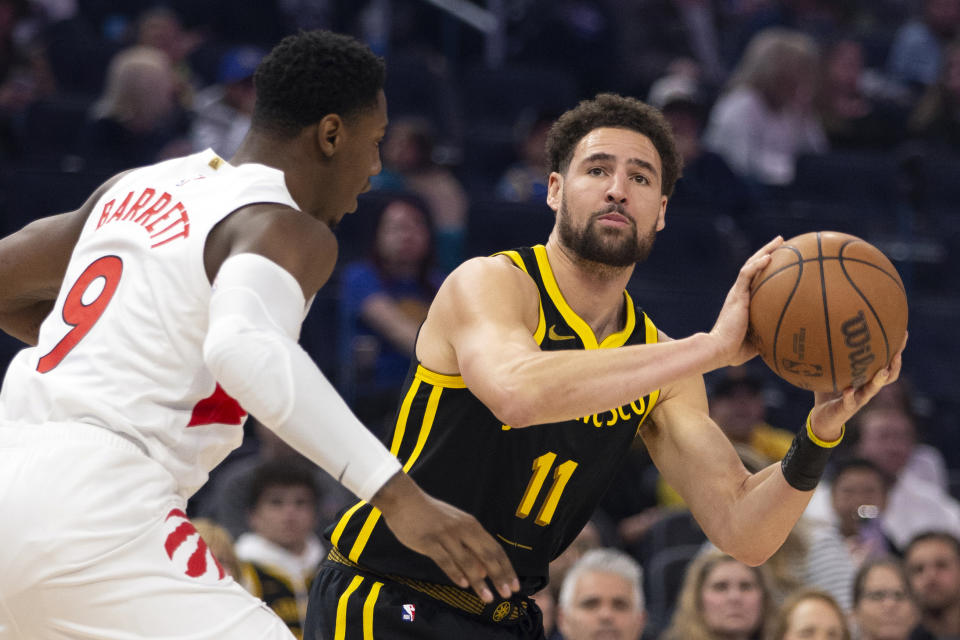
{"type": "Point", "coordinates": [335, 538]}
{"type": "Point", "coordinates": [403, 415]}
{"type": "Point", "coordinates": [577, 323]}
{"type": "Point", "coordinates": [364, 536]}
{"type": "Point", "coordinates": [620, 338]}
{"type": "Point", "coordinates": [542, 323]}
{"type": "Point", "coordinates": [429, 415]}
{"type": "Point", "coordinates": [341, 628]}
{"type": "Point", "coordinates": [440, 379]}
{"type": "Point", "coordinates": [368, 610]}
{"type": "Point", "coordinates": [653, 336]}
{"type": "Point", "coordinates": [394, 449]}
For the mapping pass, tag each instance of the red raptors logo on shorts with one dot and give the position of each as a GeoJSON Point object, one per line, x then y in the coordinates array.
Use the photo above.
{"type": "Point", "coordinates": [184, 544]}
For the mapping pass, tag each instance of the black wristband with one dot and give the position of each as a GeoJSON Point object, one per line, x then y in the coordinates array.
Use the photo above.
{"type": "Point", "coordinates": [807, 458]}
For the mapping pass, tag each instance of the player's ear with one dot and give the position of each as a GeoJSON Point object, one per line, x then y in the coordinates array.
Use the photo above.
{"type": "Point", "coordinates": [662, 215]}
{"type": "Point", "coordinates": [554, 190]}
{"type": "Point", "coordinates": [330, 134]}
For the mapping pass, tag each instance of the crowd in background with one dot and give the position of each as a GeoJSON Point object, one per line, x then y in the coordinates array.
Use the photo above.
{"type": "Point", "coordinates": [791, 115]}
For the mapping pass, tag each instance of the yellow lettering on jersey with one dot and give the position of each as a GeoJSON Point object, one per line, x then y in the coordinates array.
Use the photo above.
{"type": "Point", "coordinates": [621, 414]}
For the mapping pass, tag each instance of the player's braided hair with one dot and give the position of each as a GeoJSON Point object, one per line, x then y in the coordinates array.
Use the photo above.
{"type": "Point", "coordinates": [612, 110]}
{"type": "Point", "coordinates": [312, 74]}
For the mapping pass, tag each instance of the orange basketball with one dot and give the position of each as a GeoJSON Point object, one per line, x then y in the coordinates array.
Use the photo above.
{"type": "Point", "coordinates": [828, 312]}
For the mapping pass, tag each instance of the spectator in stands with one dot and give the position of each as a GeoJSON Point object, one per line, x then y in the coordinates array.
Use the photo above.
{"type": "Point", "coordinates": [926, 462]}
{"type": "Point", "coordinates": [858, 493]}
{"type": "Point", "coordinates": [384, 299]}
{"type": "Point", "coordinates": [222, 111]}
{"type": "Point", "coordinates": [884, 607]}
{"type": "Point", "coordinates": [24, 73]}
{"type": "Point", "coordinates": [707, 179]}
{"type": "Point", "coordinates": [853, 119]}
{"type": "Point", "coordinates": [766, 117]}
{"type": "Point", "coordinates": [721, 599]}
{"type": "Point", "coordinates": [809, 613]}
{"type": "Point", "coordinates": [225, 501]}
{"type": "Point", "coordinates": [135, 122]}
{"type": "Point", "coordinates": [886, 435]}
{"type": "Point", "coordinates": [738, 405]}
{"type": "Point", "coordinates": [602, 597]}
{"type": "Point", "coordinates": [281, 553]}
{"type": "Point", "coordinates": [936, 117]}
{"type": "Point", "coordinates": [932, 560]}
{"type": "Point", "coordinates": [526, 179]}
{"type": "Point", "coordinates": [916, 53]}
{"type": "Point", "coordinates": [160, 27]}
{"type": "Point", "coordinates": [408, 164]}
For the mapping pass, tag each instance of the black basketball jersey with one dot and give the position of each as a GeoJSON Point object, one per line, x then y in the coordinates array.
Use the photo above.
{"type": "Point", "coordinates": [533, 488]}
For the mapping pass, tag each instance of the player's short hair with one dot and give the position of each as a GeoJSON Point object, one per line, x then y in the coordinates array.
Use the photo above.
{"type": "Point", "coordinates": [313, 74]}
{"type": "Point", "coordinates": [604, 560]}
{"type": "Point", "coordinates": [612, 110]}
{"type": "Point", "coordinates": [280, 473]}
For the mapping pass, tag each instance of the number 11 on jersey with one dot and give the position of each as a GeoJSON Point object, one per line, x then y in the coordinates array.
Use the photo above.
{"type": "Point", "coordinates": [561, 475]}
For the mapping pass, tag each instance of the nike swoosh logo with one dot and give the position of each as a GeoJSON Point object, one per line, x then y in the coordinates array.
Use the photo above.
{"type": "Point", "coordinates": [552, 333]}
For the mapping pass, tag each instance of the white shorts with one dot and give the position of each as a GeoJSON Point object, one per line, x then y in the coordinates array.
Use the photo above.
{"type": "Point", "coordinates": [94, 545]}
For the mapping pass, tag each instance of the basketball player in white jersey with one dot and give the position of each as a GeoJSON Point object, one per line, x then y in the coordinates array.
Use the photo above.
{"type": "Point", "coordinates": [160, 311]}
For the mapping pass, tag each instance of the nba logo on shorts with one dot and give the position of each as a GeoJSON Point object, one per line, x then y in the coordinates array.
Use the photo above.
{"type": "Point", "coordinates": [409, 613]}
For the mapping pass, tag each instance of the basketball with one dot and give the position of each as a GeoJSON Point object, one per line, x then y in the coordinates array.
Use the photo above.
{"type": "Point", "coordinates": [828, 312]}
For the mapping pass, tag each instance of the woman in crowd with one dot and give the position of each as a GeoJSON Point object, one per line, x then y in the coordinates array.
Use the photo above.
{"type": "Point", "coordinates": [766, 118]}
{"type": "Point", "coordinates": [810, 614]}
{"type": "Point", "coordinates": [384, 299]}
{"type": "Point", "coordinates": [883, 604]}
{"type": "Point", "coordinates": [721, 599]}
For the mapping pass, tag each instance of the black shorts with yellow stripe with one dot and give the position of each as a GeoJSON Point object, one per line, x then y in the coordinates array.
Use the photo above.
{"type": "Point", "coordinates": [349, 603]}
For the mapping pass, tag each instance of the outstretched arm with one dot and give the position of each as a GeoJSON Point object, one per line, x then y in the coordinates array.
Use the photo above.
{"type": "Point", "coordinates": [747, 515]}
{"type": "Point", "coordinates": [266, 262]}
{"type": "Point", "coordinates": [482, 323]}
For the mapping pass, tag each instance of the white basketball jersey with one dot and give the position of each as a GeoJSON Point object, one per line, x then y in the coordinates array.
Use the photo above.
{"type": "Point", "coordinates": [122, 348]}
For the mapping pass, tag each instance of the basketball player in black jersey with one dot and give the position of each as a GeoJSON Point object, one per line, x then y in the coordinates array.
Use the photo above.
{"type": "Point", "coordinates": [534, 373]}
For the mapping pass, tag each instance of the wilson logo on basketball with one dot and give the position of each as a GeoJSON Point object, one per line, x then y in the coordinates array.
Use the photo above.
{"type": "Point", "coordinates": [856, 335]}
{"type": "Point", "coordinates": [187, 549]}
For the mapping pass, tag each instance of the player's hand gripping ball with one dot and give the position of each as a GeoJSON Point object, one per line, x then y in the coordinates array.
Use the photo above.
{"type": "Point", "coordinates": [828, 312]}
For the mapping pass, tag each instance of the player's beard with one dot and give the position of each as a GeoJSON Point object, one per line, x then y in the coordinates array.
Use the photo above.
{"type": "Point", "coordinates": [605, 246]}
